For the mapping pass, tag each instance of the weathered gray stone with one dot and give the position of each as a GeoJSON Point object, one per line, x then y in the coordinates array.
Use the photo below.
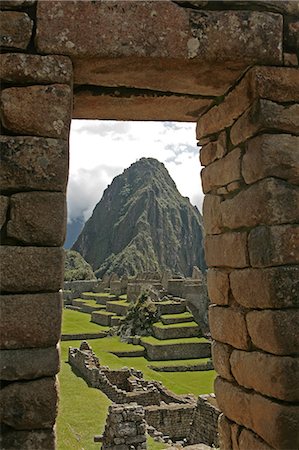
{"type": "Point", "coordinates": [227, 250]}
{"type": "Point", "coordinates": [32, 320]}
{"type": "Point", "coordinates": [4, 202]}
{"type": "Point", "coordinates": [29, 405]}
{"type": "Point", "coordinates": [27, 440]}
{"type": "Point", "coordinates": [274, 376]}
{"type": "Point", "coordinates": [212, 214]}
{"type": "Point", "coordinates": [220, 355]}
{"type": "Point", "coordinates": [218, 286]}
{"type": "Point", "coordinates": [28, 363]}
{"type": "Point", "coordinates": [16, 29]}
{"type": "Point", "coordinates": [275, 331]}
{"type": "Point", "coordinates": [15, 4]}
{"type": "Point", "coordinates": [37, 110]}
{"type": "Point", "coordinates": [222, 172]}
{"type": "Point", "coordinates": [21, 68]}
{"type": "Point", "coordinates": [33, 163]}
{"type": "Point", "coordinates": [31, 269]}
{"type": "Point", "coordinates": [271, 155]}
{"type": "Point", "coordinates": [273, 246]}
{"type": "Point", "coordinates": [274, 287]}
{"type": "Point", "coordinates": [38, 218]}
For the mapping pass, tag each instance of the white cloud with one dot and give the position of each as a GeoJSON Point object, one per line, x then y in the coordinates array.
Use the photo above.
{"type": "Point", "coordinates": [100, 150]}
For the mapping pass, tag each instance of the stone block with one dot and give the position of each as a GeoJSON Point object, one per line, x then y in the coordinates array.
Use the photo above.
{"type": "Point", "coordinates": [220, 355]}
{"type": "Point", "coordinates": [222, 172]}
{"type": "Point", "coordinates": [33, 163]}
{"type": "Point", "coordinates": [37, 110]}
{"type": "Point", "coordinates": [265, 115]}
{"type": "Point", "coordinates": [273, 376]}
{"type": "Point", "coordinates": [218, 286]}
{"type": "Point", "coordinates": [213, 150]}
{"type": "Point", "coordinates": [29, 405]}
{"type": "Point", "coordinates": [292, 33]}
{"type": "Point", "coordinates": [274, 287]}
{"type": "Point", "coordinates": [224, 433]}
{"type": "Point", "coordinates": [267, 202]}
{"type": "Point", "coordinates": [275, 332]}
{"type": "Point", "coordinates": [4, 202]}
{"type": "Point", "coordinates": [271, 155]}
{"type": "Point", "coordinates": [28, 363]}
{"type": "Point", "coordinates": [249, 440]}
{"type": "Point", "coordinates": [290, 59]}
{"type": "Point", "coordinates": [273, 83]}
{"type": "Point", "coordinates": [31, 269]}
{"type": "Point", "coordinates": [117, 29]}
{"type": "Point", "coordinates": [27, 440]}
{"type": "Point", "coordinates": [32, 320]}
{"type": "Point", "coordinates": [16, 30]}
{"type": "Point", "coordinates": [212, 214]}
{"type": "Point", "coordinates": [236, 35]}
{"type": "Point", "coordinates": [227, 250]}
{"type": "Point", "coordinates": [21, 68]}
{"type": "Point", "coordinates": [274, 422]}
{"type": "Point", "coordinates": [15, 4]}
{"type": "Point", "coordinates": [273, 246]}
{"type": "Point", "coordinates": [38, 218]}
{"type": "Point", "coordinates": [228, 325]}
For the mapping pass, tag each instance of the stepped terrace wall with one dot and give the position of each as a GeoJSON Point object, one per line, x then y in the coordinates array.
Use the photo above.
{"type": "Point", "coordinates": [231, 66]}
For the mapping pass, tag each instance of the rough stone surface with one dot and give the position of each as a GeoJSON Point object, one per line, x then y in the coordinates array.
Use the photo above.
{"type": "Point", "coordinates": [213, 150]}
{"type": "Point", "coordinates": [273, 246]}
{"type": "Point", "coordinates": [222, 172]}
{"type": "Point", "coordinates": [32, 320]}
{"type": "Point", "coordinates": [96, 104]}
{"type": "Point", "coordinates": [38, 110]}
{"type": "Point", "coordinates": [268, 202]}
{"type": "Point", "coordinates": [221, 354]}
{"type": "Point", "coordinates": [236, 35]}
{"type": "Point", "coordinates": [29, 405]}
{"type": "Point", "coordinates": [274, 287]}
{"type": "Point", "coordinates": [275, 332]}
{"type": "Point", "coordinates": [4, 202]}
{"type": "Point", "coordinates": [276, 423]}
{"type": "Point", "coordinates": [271, 155]}
{"type": "Point", "coordinates": [21, 68]}
{"type": "Point", "coordinates": [28, 363]}
{"type": "Point", "coordinates": [227, 250]}
{"type": "Point", "coordinates": [224, 429]}
{"type": "Point", "coordinates": [27, 440]}
{"type": "Point", "coordinates": [273, 376]}
{"type": "Point", "coordinates": [265, 115]}
{"type": "Point", "coordinates": [16, 29]}
{"type": "Point", "coordinates": [38, 218]}
{"type": "Point", "coordinates": [212, 214]}
{"type": "Point", "coordinates": [33, 163]}
{"type": "Point", "coordinates": [249, 440]}
{"type": "Point", "coordinates": [31, 269]}
{"type": "Point", "coordinates": [16, 3]}
{"type": "Point", "coordinates": [218, 286]}
{"type": "Point", "coordinates": [273, 83]}
{"type": "Point", "coordinates": [229, 325]}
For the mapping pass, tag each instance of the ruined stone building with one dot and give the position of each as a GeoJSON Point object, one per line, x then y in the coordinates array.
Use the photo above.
{"type": "Point", "coordinates": [230, 66]}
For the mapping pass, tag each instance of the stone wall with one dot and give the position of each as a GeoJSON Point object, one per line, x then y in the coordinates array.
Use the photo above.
{"type": "Point", "coordinates": [204, 427]}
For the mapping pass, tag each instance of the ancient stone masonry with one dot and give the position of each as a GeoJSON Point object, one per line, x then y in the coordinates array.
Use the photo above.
{"type": "Point", "coordinates": [234, 66]}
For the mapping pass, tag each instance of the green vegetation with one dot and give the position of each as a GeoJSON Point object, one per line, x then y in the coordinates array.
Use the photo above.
{"type": "Point", "coordinates": [154, 341]}
{"type": "Point", "coordinates": [180, 362]}
{"type": "Point", "coordinates": [75, 322]}
{"type": "Point", "coordinates": [140, 317]}
{"type": "Point", "coordinates": [183, 315]}
{"type": "Point", "coordinates": [99, 294]}
{"type": "Point", "coordinates": [176, 325]}
{"type": "Point", "coordinates": [76, 268]}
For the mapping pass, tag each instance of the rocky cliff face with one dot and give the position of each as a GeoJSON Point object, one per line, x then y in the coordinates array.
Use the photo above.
{"type": "Point", "coordinates": [142, 223]}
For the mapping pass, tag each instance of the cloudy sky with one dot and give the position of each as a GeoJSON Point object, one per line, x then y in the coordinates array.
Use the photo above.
{"type": "Point", "coordinates": [100, 150]}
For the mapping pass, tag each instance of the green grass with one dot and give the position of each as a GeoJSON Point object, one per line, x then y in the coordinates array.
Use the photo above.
{"type": "Point", "coordinates": [119, 302]}
{"type": "Point", "coordinates": [75, 322]}
{"type": "Point", "coordinates": [123, 297]}
{"type": "Point", "coordinates": [154, 341]}
{"type": "Point", "coordinates": [180, 362]}
{"type": "Point", "coordinates": [177, 316]}
{"type": "Point", "coordinates": [176, 325]}
{"type": "Point", "coordinates": [104, 313]}
{"type": "Point", "coordinates": [99, 294]}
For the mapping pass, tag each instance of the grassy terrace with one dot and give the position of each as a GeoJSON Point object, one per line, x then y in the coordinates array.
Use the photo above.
{"type": "Point", "coordinates": [99, 294]}
{"type": "Point", "coordinates": [193, 340]}
{"type": "Point", "coordinates": [180, 362]}
{"type": "Point", "coordinates": [76, 322]}
{"type": "Point", "coordinates": [176, 325]}
{"type": "Point", "coordinates": [183, 315]}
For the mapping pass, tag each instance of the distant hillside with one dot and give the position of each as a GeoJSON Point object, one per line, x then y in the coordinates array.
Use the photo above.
{"type": "Point", "coordinates": [143, 223]}
{"type": "Point", "coordinates": [76, 268]}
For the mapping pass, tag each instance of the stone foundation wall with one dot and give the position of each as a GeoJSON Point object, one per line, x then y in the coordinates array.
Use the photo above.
{"type": "Point", "coordinates": [204, 427]}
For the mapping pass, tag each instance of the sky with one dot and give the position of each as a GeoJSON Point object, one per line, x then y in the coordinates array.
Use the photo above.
{"type": "Point", "coordinates": [101, 150]}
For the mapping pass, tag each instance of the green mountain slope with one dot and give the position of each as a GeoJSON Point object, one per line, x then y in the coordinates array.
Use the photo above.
{"type": "Point", "coordinates": [76, 268]}
{"type": "Point", "coordinates": [142, 223]}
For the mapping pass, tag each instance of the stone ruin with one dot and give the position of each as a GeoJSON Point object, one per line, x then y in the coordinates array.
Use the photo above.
{"type": "Point", "coordinates": [168, 416]}
{"type": "Point", "coordinates": [229, 66]}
